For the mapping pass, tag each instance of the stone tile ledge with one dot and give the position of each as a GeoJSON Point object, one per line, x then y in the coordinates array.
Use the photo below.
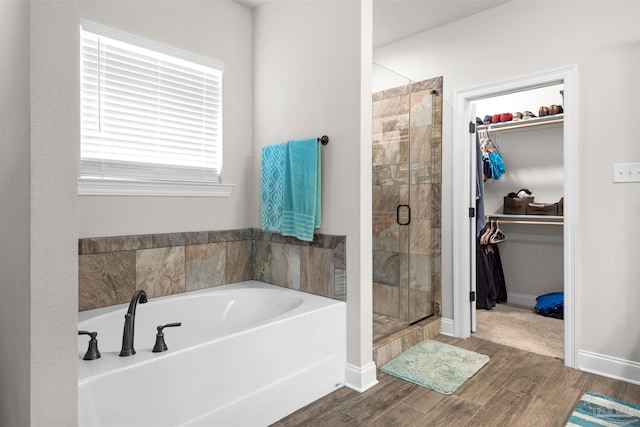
{"type": "Point", "coordinates": [97, 245]}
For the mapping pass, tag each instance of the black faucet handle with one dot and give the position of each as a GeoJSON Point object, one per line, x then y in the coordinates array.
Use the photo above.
{"type": "Point", "coordinates": [169, 325]}
{"type": "Point", "coordinates": [160, 345]}
{"type": "Point", "coordinates": [92, 352]}
{"type": "Point", "coordinates": [91, 334]}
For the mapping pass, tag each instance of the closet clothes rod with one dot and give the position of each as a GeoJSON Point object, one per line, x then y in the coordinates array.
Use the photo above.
{"type": "Point", "coordinates": [523, 125]}
{"type": "Point", "coordinates": [508, 221]}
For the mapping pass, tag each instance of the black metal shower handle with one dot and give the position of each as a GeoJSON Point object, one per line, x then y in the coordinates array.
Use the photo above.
{"type": "Point", "coordinates": [408, 214]}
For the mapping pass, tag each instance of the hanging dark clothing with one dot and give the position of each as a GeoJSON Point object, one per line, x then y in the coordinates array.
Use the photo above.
{"type": "Point", "coordinates": [495, 264]}
{"type": "Point", "coordinates": [490, 284]}
{"type": "Point", "coordinates": [486, 294]}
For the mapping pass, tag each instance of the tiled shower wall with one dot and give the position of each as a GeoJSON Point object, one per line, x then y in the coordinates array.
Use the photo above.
{"type": "Point", "coordinates": [112, 268]}
{"type": "Point", "coordinates": [407, 147]}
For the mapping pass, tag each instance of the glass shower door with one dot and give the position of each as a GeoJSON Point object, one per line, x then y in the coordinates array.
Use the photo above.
{"type": "Point", "coordinates": [390, 186]}
{"type": "Point", "coordinates": [402, 173]}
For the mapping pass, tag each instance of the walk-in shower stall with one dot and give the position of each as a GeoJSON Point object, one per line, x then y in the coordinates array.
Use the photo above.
{"type": "Point", "coordinates": [406, 174]}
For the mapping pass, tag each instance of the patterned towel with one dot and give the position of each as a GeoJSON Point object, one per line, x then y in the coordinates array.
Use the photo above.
{"type": "Point", "coordinates": [272, 191]}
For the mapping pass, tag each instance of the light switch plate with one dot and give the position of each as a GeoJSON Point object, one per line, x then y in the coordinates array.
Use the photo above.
{"type": "Point", "coordinates": [626, 172]}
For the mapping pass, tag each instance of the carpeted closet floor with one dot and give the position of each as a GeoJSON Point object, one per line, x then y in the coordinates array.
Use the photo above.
{"type": "Point", "coordinates": [521, 327]}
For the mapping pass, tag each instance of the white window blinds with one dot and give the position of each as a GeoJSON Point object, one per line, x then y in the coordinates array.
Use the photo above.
{"type": "Point", "coordinates": [147, 116]}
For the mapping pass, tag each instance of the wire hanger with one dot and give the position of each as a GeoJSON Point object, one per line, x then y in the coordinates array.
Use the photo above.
{"type": "Point", "coordinates": [497, 236]}
{"type": "Point", "coordinates": [485, 141]}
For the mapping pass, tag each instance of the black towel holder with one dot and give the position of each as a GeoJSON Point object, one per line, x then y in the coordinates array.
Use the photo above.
{"type": "Point", "coordinates": [324, 140]}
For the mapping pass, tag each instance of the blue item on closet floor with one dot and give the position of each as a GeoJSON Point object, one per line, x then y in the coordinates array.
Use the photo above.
{"type": "Point", "coordinates": [551, 305]}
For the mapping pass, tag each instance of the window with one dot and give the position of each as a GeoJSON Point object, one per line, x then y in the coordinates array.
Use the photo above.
{"type": "Point", "coordinates": [151, 118]}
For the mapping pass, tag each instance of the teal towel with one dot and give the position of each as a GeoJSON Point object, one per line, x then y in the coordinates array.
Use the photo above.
{"type": "Point", "coordinates": [302, 189]}
{"type": "Point", "coordinates": [272, 188]}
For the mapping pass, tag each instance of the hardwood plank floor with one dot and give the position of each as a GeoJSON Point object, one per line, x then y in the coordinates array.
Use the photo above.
{"type": "Point", "coordinates": [516, 388]}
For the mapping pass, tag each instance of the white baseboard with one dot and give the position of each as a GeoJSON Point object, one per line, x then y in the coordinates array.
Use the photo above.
{"type": "Point", "coordinates": [446, 327]}
{"type": "Point", "coordinates": [607, 366]}
{"type": "Point", "coordinates": [521, 299]}
{"type": "Point", "coordinates": [360, 378]}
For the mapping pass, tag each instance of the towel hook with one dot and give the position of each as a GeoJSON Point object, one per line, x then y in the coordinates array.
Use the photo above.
{"type": "Point", "coordinates": [324, 140]}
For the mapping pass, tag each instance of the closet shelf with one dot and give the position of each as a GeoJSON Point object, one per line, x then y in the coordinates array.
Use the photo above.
{"type": "Point", "coordinates": [522, 124]}
{"type": "Point", "coordinates": [528, 219]}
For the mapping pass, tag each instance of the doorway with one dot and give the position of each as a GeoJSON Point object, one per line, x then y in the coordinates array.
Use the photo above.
{"type": "Point", "coordinates": [519, 251]}
{"type": "Point", "coordinates": [464, 197]}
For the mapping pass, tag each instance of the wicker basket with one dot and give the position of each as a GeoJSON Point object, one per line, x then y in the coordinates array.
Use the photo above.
{"type": "Point", "coordinates": [561, 206]}
{"type": "Point", "coordinates": [516, 205]}
{"type": "Point", "coordinates": [542, 209]}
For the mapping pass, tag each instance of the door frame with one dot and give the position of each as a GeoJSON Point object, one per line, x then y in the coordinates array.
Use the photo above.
{"type": "Point", "coordinates": [462, 169]}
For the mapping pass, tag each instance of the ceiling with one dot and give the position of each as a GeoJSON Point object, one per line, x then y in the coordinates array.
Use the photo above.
{"type": "Point", "coordinates": [394, 20]}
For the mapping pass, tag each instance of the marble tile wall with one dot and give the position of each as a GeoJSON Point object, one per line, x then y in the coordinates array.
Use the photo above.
{"type": "Point", "coordinates": [317, 267]}
{"type": "Point", "coordinates": [407, 147]}
{"type": "Point", "coordinates": [110, 269]}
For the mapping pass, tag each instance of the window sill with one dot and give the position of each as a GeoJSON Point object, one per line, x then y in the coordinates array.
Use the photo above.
{"type": "Point", "coordinates": [103, 187]}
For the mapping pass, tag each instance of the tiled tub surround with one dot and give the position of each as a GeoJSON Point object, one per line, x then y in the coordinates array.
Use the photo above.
{"type": "Point", "coordinates": [112, 268]}
{"type": "Point", "coordinates": [317, 267]}
{"type": "Point", "coordinates": [407, 148]}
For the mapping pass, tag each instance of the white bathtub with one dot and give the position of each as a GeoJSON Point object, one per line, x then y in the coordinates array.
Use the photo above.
{"type": "Point", "coordinates": [247, 354]}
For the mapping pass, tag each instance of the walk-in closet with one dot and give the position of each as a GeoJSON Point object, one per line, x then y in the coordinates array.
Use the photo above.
{"type": "Point", "coordinates": [519, 229]}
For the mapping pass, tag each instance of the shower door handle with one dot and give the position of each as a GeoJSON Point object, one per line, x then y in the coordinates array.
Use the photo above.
{"type": "Point", "coordinates": [408, 214]}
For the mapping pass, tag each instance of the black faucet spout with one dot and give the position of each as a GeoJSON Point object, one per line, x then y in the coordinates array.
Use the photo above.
{"type": "Point", "coordinates": [139, 296]}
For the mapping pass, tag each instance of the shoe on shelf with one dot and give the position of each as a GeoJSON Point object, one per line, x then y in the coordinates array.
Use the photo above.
{"type": "Point", "coordinates": [543, 111]}
{"type": "Point", "coordinates": [555, 109]}
{"type": "Point", "coordinates": [506, 117]}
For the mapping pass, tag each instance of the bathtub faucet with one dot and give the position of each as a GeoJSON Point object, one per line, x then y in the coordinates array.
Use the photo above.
{"type": "Point", "coordinates": [139, 296]}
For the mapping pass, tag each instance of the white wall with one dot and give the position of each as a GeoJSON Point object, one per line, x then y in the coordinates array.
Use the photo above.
{"type": "Point", "coordinates": [54, 233]}
{"type": "Point", "coordinates": [38, 214]}
{"type": "Point", "coordinates": [217, 29]}
{"type": "Point", "coordinates": [307, 80]}
{"type": "Point", "coordinates": [14, 218]}
{"type": "Point", "coordinates": [520, 38]}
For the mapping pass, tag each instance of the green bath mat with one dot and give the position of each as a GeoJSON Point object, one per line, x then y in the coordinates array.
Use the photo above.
{"type": "Point", "coordinates": [599, 410]}
{"type": "Point", "coordinates": [435, 365]}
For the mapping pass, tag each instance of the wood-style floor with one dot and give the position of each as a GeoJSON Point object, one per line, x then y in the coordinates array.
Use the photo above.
{"type": "Point", "coordinates": [516, 388]}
